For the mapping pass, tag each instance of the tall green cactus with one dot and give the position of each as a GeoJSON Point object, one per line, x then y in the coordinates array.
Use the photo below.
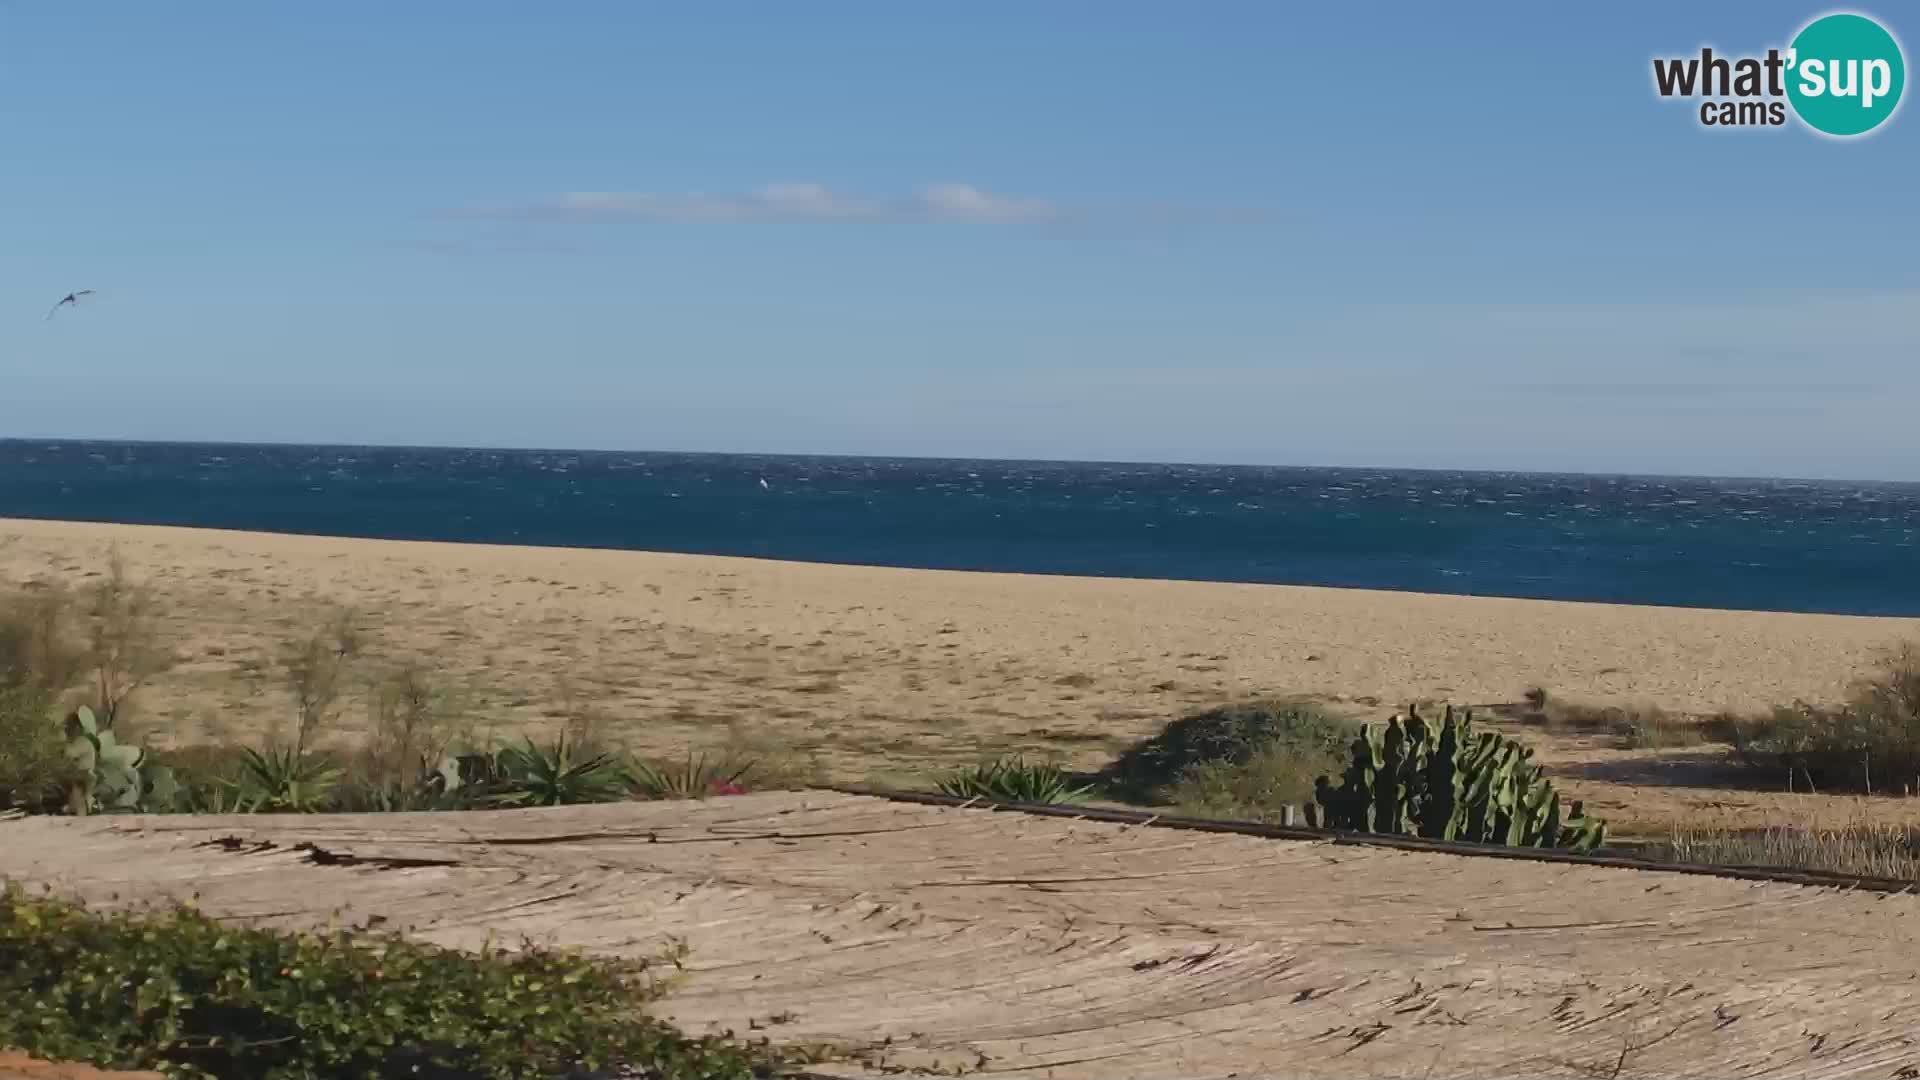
{"type": "Point", "coordinates": [1448, 782]}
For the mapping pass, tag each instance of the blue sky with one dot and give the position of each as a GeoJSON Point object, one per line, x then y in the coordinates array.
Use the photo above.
{"type": "Point", "coordinates": [1385, 234]}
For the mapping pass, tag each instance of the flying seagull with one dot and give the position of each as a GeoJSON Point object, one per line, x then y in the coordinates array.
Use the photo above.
{"type": "Point", "coordinates": [71, 298]}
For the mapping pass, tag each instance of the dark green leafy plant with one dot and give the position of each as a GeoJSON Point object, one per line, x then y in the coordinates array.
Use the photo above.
{"type": "Point", "coordinates": [1444, 781]}
{"type": "Point", "coordinates": [1015, 779]}
{"type": "Point", "coordinates": [558, 774]}
{"type": "Point", "coordinates": [180, 992]}
{"type": "Point", "coordinates": [694, 778]}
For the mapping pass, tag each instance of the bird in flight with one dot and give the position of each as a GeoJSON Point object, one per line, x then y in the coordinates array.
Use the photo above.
{"type": "Point", "coordinates": [72, 298]}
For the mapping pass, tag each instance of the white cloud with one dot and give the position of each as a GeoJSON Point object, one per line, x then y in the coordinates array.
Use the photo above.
{"type": "Point", "coordinates": [786, 202]}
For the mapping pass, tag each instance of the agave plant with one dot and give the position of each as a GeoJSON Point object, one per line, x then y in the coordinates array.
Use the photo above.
{"type": "Point", "coordinates": [1015, 780]}
{"type": "Point", "coordinates": [283, 781]}
{"type": "Point", "coordinates": [557, 775]}
{"type": "Point", "coordinates": [695, 778]}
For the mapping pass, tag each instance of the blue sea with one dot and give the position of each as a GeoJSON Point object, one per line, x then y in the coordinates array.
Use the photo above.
{"type": "Point", "coordinates": [1763, 544]}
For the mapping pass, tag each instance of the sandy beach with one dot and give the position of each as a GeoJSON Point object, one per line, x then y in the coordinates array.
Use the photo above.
{"type": "Point", "coordinates": [881, 672]}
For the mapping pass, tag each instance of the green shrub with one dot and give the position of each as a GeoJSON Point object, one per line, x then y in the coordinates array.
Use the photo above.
{"type": "Point", "coordinates": [40, 659]}
{"type": "Point", "coordinates": [1275, 776]}
{"type": "Point", "coordinates": [1014, 779]}
{"type": "Point", "coordinates": [32, 751]}
{"type": "Point", "coordinates": [1191, 754]}
{"type": "Point", "coordinates": [1871, 743]}
{"type": "Point", "coordinates": [180, 992]}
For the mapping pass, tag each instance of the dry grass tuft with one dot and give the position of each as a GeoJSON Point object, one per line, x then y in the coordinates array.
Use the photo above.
{"type": "Point", "coordinates": [1634, 726]}
{"type": "Point", "coordinates": [1863, 848]}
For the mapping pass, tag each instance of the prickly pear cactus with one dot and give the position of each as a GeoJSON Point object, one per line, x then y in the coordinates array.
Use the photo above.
{"type": "Point", "coordinates": [1444, 781]}
{"type": "Point", "coordinates": [107, 775]}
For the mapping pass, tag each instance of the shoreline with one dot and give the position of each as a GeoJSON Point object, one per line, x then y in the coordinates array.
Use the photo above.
{"type": "Point", "coordinates": [7, 523]}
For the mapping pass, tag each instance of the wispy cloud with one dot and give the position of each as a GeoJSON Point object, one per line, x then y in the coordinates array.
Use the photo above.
{"type": "Point", "coordinates": [935, 203]}
{"type": "Point", "coordinates": [1693, 390]}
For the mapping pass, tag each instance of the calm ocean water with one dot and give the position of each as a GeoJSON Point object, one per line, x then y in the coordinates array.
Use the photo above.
{"type": "Point", "coordinates": [1767, 544]}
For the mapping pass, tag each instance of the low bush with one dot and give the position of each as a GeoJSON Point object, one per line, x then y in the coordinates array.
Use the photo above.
{"type": "Point", "coordinates": [40, 658]}
{"type": "Point", "coordinates": [182, 993]}
{"type": "Point", "coordinates": [1869, 744]}
{"type": "Point", "coordinates": [1246, 757]}
{"type": "Point", "coordinates": [32, 751]}
{"type": "Point", "coordinates": [1255, 789]}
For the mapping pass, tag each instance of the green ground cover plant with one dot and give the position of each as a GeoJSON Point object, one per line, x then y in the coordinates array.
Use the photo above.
{"type": "Point", "coordinates": [176, 991]}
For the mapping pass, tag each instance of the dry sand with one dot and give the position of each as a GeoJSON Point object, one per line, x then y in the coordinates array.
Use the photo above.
{"type": "Point", "coordinates": [1017, 946]}
{"type": "Point", "coordinates": [881, 672]}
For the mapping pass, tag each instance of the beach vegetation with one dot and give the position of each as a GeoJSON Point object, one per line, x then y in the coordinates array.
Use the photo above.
{"type": "Point", "coordinates": [173, 990]}
{"type": "Point", "coordinates": [1862, 848]}
{"type": "Point", "coordinates": [1868, 744]}
{"type": "Point", "coordinates": [694, 777]}
{"type": "Point", "coordinates": [123, 649]}
{"type": "Point", "coordinates": [54, 647]}
{"type": "Point", "coordinates": [318, 667]}
{"type": "Point", "coordinates": [285, 780]}
{"type": "Point", "coordinates": [1246, 760]}
{"type": "Point", "coordinates": [558, 773]}
{"type": "Point", "coordinates": [31, 750]}
{"type": "Point", "coordinates": [102, 774]}
{"type": "Point", "coordinates": [1267, 786]}
{"type": "Point", "coordinates": [1015, 779]}
{"type": "Point", "coordinates": [1437, 778]}
{"type": "Point", "coordinates": [1634, 727]}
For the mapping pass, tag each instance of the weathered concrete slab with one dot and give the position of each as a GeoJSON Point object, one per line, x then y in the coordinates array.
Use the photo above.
{"type": "Point", "coordinates": [1038, 947]}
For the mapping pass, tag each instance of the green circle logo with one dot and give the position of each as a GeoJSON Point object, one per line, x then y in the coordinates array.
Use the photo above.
{"type": "Point", "coordinates": [1845, 74]}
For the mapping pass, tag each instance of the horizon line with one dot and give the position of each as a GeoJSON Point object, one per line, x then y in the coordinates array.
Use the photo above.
{"type": "Point", "coordinates": [1480, 471]}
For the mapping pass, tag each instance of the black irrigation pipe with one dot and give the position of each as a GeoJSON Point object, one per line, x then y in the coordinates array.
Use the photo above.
{"type": "Point", "coordinates": [1817, 878]}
